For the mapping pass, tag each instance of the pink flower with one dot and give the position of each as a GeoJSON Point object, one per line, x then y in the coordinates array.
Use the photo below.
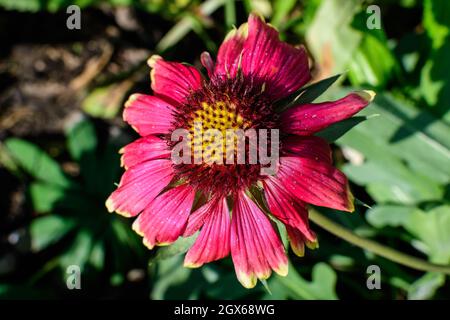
{"type": "Point", "coordinates": [254, 69]}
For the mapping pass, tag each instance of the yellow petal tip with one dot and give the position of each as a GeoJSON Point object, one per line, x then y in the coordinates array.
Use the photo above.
{"type": "Point", "coordinates": [367, 95]}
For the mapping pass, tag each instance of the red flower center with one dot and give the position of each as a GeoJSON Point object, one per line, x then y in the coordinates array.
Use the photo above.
{"type": "Point", "coordinates": [223, 104]}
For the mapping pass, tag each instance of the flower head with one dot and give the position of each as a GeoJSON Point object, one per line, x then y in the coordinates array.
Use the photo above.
{"type": "Point", "coordinates": [230, 203]}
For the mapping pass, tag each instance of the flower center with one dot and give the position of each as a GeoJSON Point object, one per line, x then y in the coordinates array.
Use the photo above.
{"type": "Point", "coordinates": [216, 115]}
{"type": "Point", "coordinates": [213, 131]}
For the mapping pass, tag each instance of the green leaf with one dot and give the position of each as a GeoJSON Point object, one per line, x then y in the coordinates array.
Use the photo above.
{"type": "Point", "coordinates": [46, 197]}
{"type": "Point", "coordinates": [373, 63]}
{"type": "Point", "coordinates": [230, 13]}
{"type": "Point", "coordinates": [426, 286]}
{"type": "Point", "coordinates": [105, 102]}
{"type": "Point", "coordinates": [337, 130]}
{"type": "Point", "coordinates": [173, 281]}
{"type": "Point", "coordinates": [331, 38]}
{"type": "Point", "coordinates": [392, 181]}
{"type": "Point", "coordinates": [389, 215]}
{"type": "Point", "coordinates": [81, 139]}
{"type": "Point", "coordinates": [434, 80]}
{"type": "Point", "coordinates": [281, 9]}
{"type": "Point", "coordinates": [82, 144]}
{"type": "Point", "coordinates": [178, 247]}
{"type": "Point", "coordinates": [307, 94]}
{"type": "Point", "coordinates": [228, 287]}
{"type": "Point", "coordinates": [432, 228]}
{"type": "Point", "coordinates": [322, 286]}
{"type": "Point", "coordinates": [97, 257]}
{"type": "Point", "coordinates": [79, 252]}
{"type": "Point", "coordinates": [47, 230]}
{"type": "Point", "coordinates": [36, 162]}
{"type": "Point", "coordinates": [186, 24]}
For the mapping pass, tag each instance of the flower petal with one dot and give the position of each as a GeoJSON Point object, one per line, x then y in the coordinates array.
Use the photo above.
{"type": "Point", "coordinates": [230, 51]}
{"type": "Point", "coordinates": [164, 220]}
{"type": "Point", "coordinates": [256, 248]}
{"type": "Point", "coordinates": [287, 209]}
{"type": "Point", "coordinates": [308, 119]}
{"type": "Point", "coordinates": [173, 81]}
{"type": "Point", "coordinates": [144, 149]}
{"type": "Point", "coordinates": [139, 186]}
{"type": "Point", "coordinates": [281, 66]}
{"type": "Point", "coordinates": [315, 182]}
{"type": "Point", "coordinates": [311, 147]}
{"type": "Point", "coordinates": [297, 241]}
{"type": "Point", "coordinates": [148, 114]}
{"type": "Point", "coordinates": [213, 242]}
{"type": "Point", "coordinates": [198, 218]}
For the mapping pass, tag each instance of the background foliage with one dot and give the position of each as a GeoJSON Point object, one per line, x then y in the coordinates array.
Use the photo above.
{"type": "Point", "coordinates": [60, 128]}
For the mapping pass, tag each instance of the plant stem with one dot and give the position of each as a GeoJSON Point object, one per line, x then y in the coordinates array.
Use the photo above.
{"type": "Point", "coordinates": [375, 247]}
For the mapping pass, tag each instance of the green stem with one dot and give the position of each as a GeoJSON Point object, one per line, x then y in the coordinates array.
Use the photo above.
{"type": "Point", "coordinates": [375, 247]}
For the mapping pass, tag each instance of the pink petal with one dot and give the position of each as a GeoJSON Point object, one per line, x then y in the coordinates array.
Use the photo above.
{"type": "Point", "coordinates": [213, 242]}
{"type": "Point", "coordinates": [283, 67]}
{"type": "Point", "coordinates": [164, 220]}
{"type": "Point", "coordinates": [308, 119]}
{"type": "Point", "coordinates": [314, 148]}
{"type": "Point", "coordinates": [297, 241]}
{"type": "Point", "coordinates": [148, 114]}
{"type": "Point", "coordinates": [144, 149]}
{"type": "Point", "coordinates": [139, 186]}
{"type": "Point", "coordinates": [198, 218]}
{"type": "Point", "coordinates": [230, 52]}
{"type": "Point", "coordinates": [256, 248]}
{"type": "Point", "coordinates": [315, 182]}
{"type": "Point", "coordinates": [287, 209]}
{"type": "Point", "coordinates": [173, 81]}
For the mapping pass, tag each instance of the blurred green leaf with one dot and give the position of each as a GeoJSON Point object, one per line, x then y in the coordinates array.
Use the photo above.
{"type": "Point", "coordinates": [180, 246]}
{"type": "Point", "coordinates": [81, 139]}
{"type": "Point", "coordinates": [228, 287]}
{"type": "Point", "coordinates": [173, 281]}
{"type": "Point", "coordinates": [435, 79]}
{"type": "Point", "coordinates": [82, 145]}
{"type": "Point", "coordinates": [36, 162]}
{"type": "Point", "coordinates": [322, 286]}
{"type": "Point", "coordinates": [426, 286]}
{"type": "Point", "coordinates": [105, 102]}
{"type": "Point", "coordinates": [79, 252]}
{"type": "Point", "coordinates": [432, 228]}
{"type": "Point", "coordinates": [389, 215]}
{"type": "Point", "coordinates": [262, 7]}
{"type": "Point", "coordinates": [281, 9]}
{"type": "Point", "coordinates": [230, 13]}
{"type": "Point", "coordinates": [330, 37]}
{"type": "Point", "coordinates": [185, 25]}
{"type": "Point", "coordinates": [97, 257]}
{"type": "Point", "coordinates": [44, 196]}
{"type": "Point", "coordinates": [373, 63]}
{"type": "Point", "coordinates": [47, 230]}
